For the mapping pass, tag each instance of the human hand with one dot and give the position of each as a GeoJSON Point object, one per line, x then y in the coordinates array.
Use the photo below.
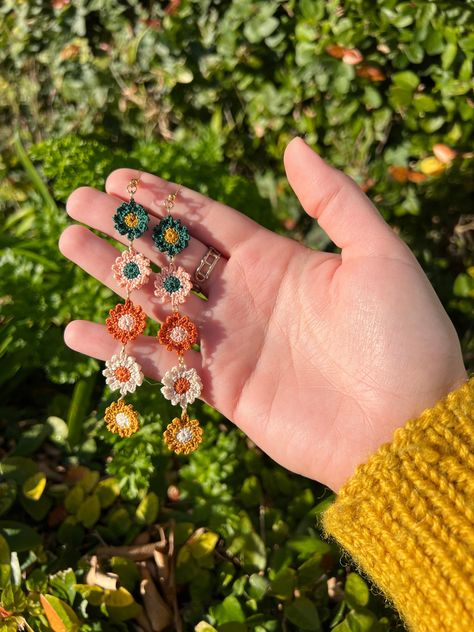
{"type": "Point", "coordinates": [318, 357]}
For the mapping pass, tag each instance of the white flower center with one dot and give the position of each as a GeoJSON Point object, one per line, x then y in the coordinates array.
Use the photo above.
{"type": "Point", "coordinates": [178, 334]}
{"type": "Point", "coordinates": [126, 322]}
{"type": "Point", "coordinates": [122, 420]}
{"type": "Point", "coordinates": [184, 435]}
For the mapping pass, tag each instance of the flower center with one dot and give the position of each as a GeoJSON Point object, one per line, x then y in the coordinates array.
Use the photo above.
{"type": "Point", "coordinates": [126, 322]}
{"type": "Point", "coordinates": [184, 435]}
{"type": "Point", "coordinates": [122, 420]}
{"type": "Point", "coordinates": [178, 334]}
{"type": "Point", "coordinates": [171, 236]}
{"type": "Point", "coordinates": [131, 270]}
{"type": "Point", "coordinates": [172, 284]}
{"type": "Point", "coordinates": [131, 220]}
{"type": "Point", "coordinates": [181, 385]}
{"type": "Point", "coordinates": [122, 374]}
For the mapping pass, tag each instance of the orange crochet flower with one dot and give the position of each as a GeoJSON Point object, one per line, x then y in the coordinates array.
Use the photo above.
{"type": "Point", "coordinates": [184, 435]}
{"type": "Point", "coordinates": [121, 418]}
{"type": "Point", "coordinates": [178, 333]}
{"type": "Point", "coordinates": [126, 321]}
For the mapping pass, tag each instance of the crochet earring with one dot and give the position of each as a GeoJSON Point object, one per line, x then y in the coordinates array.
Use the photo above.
{"type": "Point", "coordinates": [127, 320]}
{"type": "Point", "coordinates": [181, 385]}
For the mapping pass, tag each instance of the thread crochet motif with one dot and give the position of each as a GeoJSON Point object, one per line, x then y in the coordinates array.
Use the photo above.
{"type": "Point", "coordinates": [406, 517]}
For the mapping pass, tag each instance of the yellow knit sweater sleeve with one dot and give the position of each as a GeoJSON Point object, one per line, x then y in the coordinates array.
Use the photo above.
{"type": "Point", "coordinates": [406, 517]}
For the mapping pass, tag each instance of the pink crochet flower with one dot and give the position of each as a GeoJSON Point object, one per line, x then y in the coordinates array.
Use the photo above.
{"type": "Point", "coordinates": [172, 284]}
{"type": "Point", "coordinates": [131, 270]}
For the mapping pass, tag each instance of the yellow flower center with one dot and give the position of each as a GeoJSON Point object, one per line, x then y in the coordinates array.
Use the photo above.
{"type": "Point", "coordinates": [131, 220]}
{"type": "Point", "coordinates": [171, 236]}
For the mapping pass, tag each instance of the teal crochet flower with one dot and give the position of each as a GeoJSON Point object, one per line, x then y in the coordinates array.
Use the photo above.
{"type": "Point", "coordinates": [131, 219]}
{"type": "Point", "coordinates": [170, 236]}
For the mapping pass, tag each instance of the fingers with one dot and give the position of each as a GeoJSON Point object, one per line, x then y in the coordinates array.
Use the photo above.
{"type": "Point", "coordinates": [96, 209]}
{"type": "Point", "coordinates": [94, 340]}
{"type": "Point", "coordinates": [213, 223]}
{"type": "Point", "coordinates": [342, 210]}
{"type": "Point", "coordinates": [96, 256]}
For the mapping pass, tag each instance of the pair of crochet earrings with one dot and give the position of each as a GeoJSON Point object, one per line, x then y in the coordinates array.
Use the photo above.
{"type": "Point", "coordinates": [126, 321]}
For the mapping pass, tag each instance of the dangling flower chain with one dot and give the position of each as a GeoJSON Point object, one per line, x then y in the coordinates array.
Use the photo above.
{"type": "Point", "coordinates": [126, 321]}
{"type": "Point", "coordinates": [181, 385]}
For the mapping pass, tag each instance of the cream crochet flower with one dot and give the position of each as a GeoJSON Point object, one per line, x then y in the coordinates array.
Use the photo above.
{"type": "Point", "coordinates": [181, 385]}
{"type": "Point", "coordinates": [123, 373]}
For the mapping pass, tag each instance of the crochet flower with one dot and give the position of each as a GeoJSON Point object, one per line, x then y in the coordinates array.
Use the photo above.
{"type": "Point", "coordinates": [181, 385]}
{"type": "Point", "coordinates": [170, 236]}
{"type": "Point", "coordinates": [172, 284]}
{"type": "Point", "coordinates": [183, 436]}
{"type": "Point", "coordinates": [131, 270]}
{"type": "Point", "coordinates": [123, 373]}
{"type": "Point", "coordinates": [131, 219]}
{"type": "Point", "coordinates": [121, 418]}
{"type": "Point", "coordinates": [126, 321]}
{"type": "Point", "coordinates": [178, 333]}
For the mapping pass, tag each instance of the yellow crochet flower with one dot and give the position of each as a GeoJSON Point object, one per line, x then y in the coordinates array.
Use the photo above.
{"type": "Point", "coordinates": [184, 435]}
{"type": "Point", "coordinates": [121, 418]}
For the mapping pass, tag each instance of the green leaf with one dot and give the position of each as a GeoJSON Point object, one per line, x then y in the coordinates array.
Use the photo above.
{"type": "Point", "coordinates": [61, 617]}
{"type": "Point", "coordinates": [34, 486]}
{"type": "Point", "coordinates": [37, 581]}
{"type": "Point", "coordinates": [448, 55]}
{"type": "Point", "coordinates": [432, 124]}
{"type": "Point", "coordinates": [74, 499]}
{"type": "Point", "coordinates": [7, 495]}
{"type": "Point", "coordinates": [126, 570]}
{"type": "Point", "coordinates": [308, 545]}
{"type": "Point", "coordinates": [63, 583]}
{"type": "Point", "coordinates": [89, 480]}
{"type": "Point", "coordinates": [71, 532]}
{"type": "Point", "coordinates": [203, 626]}
{"type": "Point", "coordinates": [147, 510]}
{"type": "Point", "coordinates": [303, 613]}
{"type": "Point", "coordinates": [92, 594]}
{"type": "Point", "coordinates": [119, 520]}
{"type": "Point", "coordinates": [464, 285]}
{"type": "Point", "coordinates": [37, 509]}
{"type": "Point", "coordinates": [20, 537]}
{"type": "Point", "coordinates": [283, 584]}
{"type": "Point", "coordinates": [107, 491]}
{"type": "Point", "coordinates": [251, 492]}
{"type": "Point", "coordinates": [203, 544]}
{"type": "Point", "coordinates": [13, 598]}
{"type": "Point", "coordinates": [78, 408]}
{"type": "Point", "coordinates": [361, 620]}
{"type": "Point", "coordinates": [17, 468]}
{"type": "Point", "coordinates": [59, 430]}
{"type": "Point", "coordinates": [229, 611]}
{"type": "Point", "coordinates": [119, 598]}
{"type": "Point", "coordinates": [356, 591]}
{"type": "Point", "coordinates": [31, 439]}
{"type": "Point", "coordinates": [407, 80]}
{"type": "Point", "coordinates": [4, 562]}
{"type": "Point", "coordinates": [258, 27]}
{"type": "Point", "coordinates": [89, 511]}
{"type": "Point", "coordinates": [259, 586]}
{"type": "Point", "coordinates": [310, 571]}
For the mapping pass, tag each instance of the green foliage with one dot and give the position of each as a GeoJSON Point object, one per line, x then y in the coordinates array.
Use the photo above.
{"type": "Point", "coordinates": [207, 94]}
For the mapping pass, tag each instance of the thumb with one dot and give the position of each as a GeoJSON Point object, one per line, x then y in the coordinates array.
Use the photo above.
{"type": "Point", "coordinates": [341, 208]}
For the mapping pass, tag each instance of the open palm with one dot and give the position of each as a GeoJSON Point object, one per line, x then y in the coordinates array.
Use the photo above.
{"type": "Point", "coordinates": [318, 357]}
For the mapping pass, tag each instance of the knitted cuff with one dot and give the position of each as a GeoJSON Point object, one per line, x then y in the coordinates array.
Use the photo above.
{"type": "Point", "coordinates": [406, 517]}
